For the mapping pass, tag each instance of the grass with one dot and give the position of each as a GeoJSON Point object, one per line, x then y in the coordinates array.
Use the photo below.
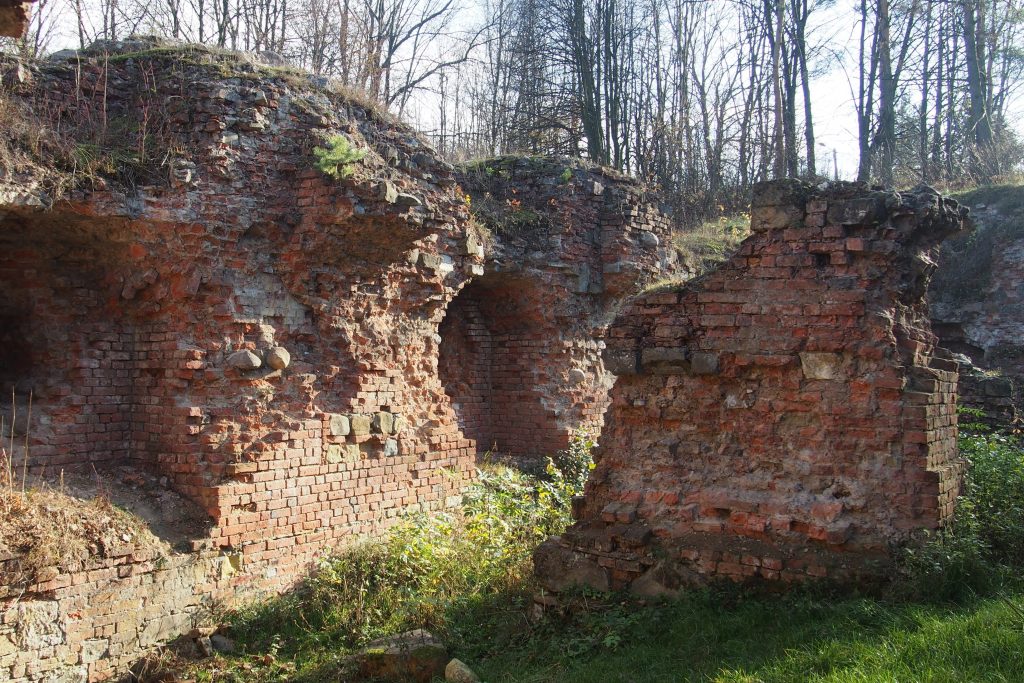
{"type": "Point", "coordinates": [956, 613]}
{"type": "Point", "coordinates": [712, 242]}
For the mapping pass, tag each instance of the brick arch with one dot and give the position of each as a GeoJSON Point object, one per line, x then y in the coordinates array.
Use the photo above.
{"type": "Point", "coordinates": [498, 350]}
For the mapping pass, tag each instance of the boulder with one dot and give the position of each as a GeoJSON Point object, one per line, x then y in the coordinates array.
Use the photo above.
{"type": "Point", "coordinates": [244, 360]}
{"type": "Point", "coordinates": [412, 656]}
{"type": "Point", "coordinates": [458, 672]}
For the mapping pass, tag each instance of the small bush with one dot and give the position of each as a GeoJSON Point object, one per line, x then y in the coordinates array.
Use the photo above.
{"type": "Point", "coordinates": [430, 571]}
{"type": "Point", "coordinates": [337, 158]}
{"type": "Point", "coordinates": [984, 546]}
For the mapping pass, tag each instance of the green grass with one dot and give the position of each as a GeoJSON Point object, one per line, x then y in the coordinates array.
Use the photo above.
{"type": "Point", "coordinates": [767, 639]}
{"type": "Point", "coordinates": [956, 612]}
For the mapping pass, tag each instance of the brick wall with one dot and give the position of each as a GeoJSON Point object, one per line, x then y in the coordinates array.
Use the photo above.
{"type": "Point", "coordinates": [93, 624]}
{"type": "Point", "coordinates": [521, 345]}
{"type": "Point", "coordinates": [784, 417]}
{"type": "Point", "coordinates": [144, 320]}
{"type": "Point", "coordinates": [130, 307]}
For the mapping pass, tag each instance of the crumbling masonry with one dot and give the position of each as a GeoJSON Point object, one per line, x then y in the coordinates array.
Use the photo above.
{"type": "Point", "coordinates": [787, 416]}
{"type": "Point", "coordinates": [275, 344]}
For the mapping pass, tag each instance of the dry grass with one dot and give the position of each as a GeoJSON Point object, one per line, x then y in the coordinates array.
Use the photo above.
{"type": "Point", "coordinates": [712, 242]}
{"type": "Point", "coordinates": [44, 529]}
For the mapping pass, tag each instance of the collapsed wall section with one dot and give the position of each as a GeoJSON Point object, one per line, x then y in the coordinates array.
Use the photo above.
{"type": "Point", "coordinates": [221, 312]}
{"type": "Point", "coordinates": [786, 416]}
{"type": "Point", "coordinates": [521, 345]}
{"type": "Point", "coordinates": [976, 302]}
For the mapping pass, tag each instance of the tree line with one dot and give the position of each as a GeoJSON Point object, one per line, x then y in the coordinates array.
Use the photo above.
{"type": "Point", "coordinates": [701, 98]}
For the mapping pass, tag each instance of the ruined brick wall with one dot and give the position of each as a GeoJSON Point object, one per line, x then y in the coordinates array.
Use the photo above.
{"type": "Point", "coordinates": [130, 307]}
{"type": "Point", "coordinates": [785, 416]}
{"type": "Point", "coordinates": [271, 340]}
{"type": "Point", "coordinates": [92, 625]}
{"type": "Point", "coordinates": [14, 16]}
{"type": "Point", "coordinates": [976, 302]}
{"type": "Point", "coordinates": [521, 345]}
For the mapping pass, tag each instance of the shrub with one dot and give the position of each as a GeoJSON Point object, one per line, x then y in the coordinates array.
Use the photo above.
{"type": "Point", "coordinates": [337, 158]}
{"type": "Point", "coordinates": [984, 546]}
{"type": "Point", "coordinates": [429, 571]}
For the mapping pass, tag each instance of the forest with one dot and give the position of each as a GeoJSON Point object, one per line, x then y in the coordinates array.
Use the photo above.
{"type": "Point", "coordinates": [700, 98]}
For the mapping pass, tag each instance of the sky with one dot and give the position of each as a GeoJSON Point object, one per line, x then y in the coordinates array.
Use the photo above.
{"type": "Point", "coordinates": [832, 97]}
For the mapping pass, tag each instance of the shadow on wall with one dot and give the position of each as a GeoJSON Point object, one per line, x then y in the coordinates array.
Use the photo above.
{"type": "Point", "coordinates": [499, 350]}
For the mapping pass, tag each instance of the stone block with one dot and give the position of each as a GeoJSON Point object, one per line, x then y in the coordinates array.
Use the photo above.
{"type": "Point", "coordinates": [703, 363]}
{"type": "Point", "coordinates": [339, 425]}
{"type": "Point", "coordinates": [383, 422]}
{"type": "Point", "coordinates": [278, 358]}
{"type": "Point", "coordinates": [828, 366]}
{"type": "Point", "coordinates": [244, 361]}
{"type": "Point", "coordinates": [360, 424]}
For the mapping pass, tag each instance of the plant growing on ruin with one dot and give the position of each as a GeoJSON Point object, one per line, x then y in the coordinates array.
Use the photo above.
{"type": "Point", "coordinates": [338, 158]}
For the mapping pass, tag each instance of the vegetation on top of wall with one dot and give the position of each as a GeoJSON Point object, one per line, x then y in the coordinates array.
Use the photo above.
{"type": "Point", "coordinates": [712, 242]}
{"type": "Point", "coordinates": [44, 530]}
{"type": "Point", "coordinates": [1007, 200]}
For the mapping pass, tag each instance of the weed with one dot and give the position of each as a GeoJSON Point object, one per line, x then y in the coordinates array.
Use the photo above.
{"type": "Point", "coordinates": [713, 242]}
{"type": "Point", "coordinates": [338, 158]}
{"type": "Point", "coordinates": [445, 572]}
{"type": "Point", "coordinates": [467, 577]}
{"type": "Point", "coordinates": [985, 543]}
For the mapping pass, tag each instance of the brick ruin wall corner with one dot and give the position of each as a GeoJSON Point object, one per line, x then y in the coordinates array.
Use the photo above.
{"type": "Point", "coordinates": [14, 17]}
{"type": "Point", "coordinates": [266, 340]}
{"type": "Point", "coordinates": [787, 416]}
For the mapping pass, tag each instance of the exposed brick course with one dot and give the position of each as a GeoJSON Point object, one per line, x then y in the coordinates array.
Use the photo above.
{"type": "Point", "coordinates": [142, 317]}
{"type": "Point", "coordinates": [521, 345]}
{"type": "Point", "coordinates": [784, 417]}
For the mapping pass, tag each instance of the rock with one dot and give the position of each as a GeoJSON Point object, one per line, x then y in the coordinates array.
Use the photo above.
{"type": "Point", "coordinates": [649, 239]}
{"type": "Point", "coordinates": [387, 192]}
{"type": "Point", "coordinates": [278, 358]}
{"type": "Point", "coordinates": [64, 55]}
{"type": "Point", "coordinates": [406, 199]}
{"type": "Point", "coordinates": [822, 365]}
{"type": "Point", "coordinates": [204, 645]}
{"type": "Point", "coordinates": [458, 672]}
{"type": "Point", "coordinates": [271, 58]}
{"type": "Point", "coordinates": [244, 360]}
{"type": "Point", "coordinates": [412, 656]}
{"type": "Point", "coordinates": [339, 425]}
{"type": "Point", "coordinates": [383, 422]}
{"type": "Point", "coordinates": [360, 424]}
{"type": "Point", "coordinates": [576, 376]}
{"type": "Point", "coordinates": [222, 644]}
{"type": "Point", "coordinates": [390, 448]}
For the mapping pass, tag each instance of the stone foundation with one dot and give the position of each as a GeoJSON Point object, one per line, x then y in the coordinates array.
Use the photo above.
{"type": "Point", "coordinates": [785, 417]}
